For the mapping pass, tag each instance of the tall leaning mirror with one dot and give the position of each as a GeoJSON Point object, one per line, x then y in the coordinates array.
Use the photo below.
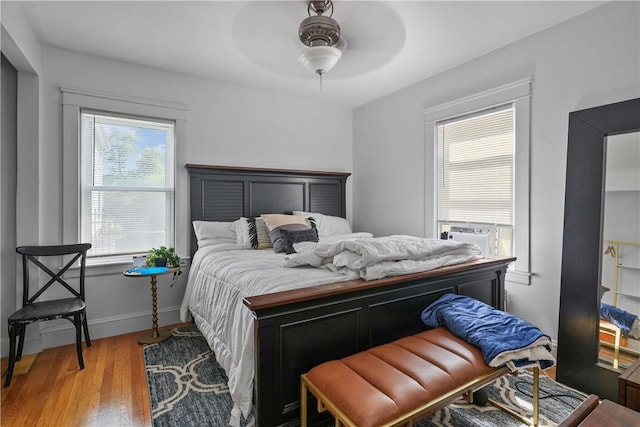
{"type": "Point", "coordinates": [582, 292]}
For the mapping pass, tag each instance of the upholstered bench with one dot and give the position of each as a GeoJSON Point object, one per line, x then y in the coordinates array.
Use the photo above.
{"type": "Point", "coordinates": [397, 383]}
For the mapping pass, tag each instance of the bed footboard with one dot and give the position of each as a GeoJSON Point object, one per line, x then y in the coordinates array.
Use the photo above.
{"type": "Point", "coordinates": [296, 330]}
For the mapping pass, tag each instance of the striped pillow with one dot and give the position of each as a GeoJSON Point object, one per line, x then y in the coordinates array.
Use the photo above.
{"type": "Point", "coordinates": [258, 233]}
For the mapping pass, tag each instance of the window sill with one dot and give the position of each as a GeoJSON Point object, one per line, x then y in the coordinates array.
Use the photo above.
{"type": "Point", "coordinates": [109, 266]}
{"type": "Point", "coordinates": [102, 267]}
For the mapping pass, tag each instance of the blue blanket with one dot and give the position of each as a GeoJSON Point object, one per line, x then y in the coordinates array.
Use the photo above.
{"type": "Point", "coordinates": [502, 337]}
{"type": "Point", "coordinates": [622, 319]}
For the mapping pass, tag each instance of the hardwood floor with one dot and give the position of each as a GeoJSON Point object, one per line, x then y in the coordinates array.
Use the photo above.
{"type": "Point", "coordinates": [110, 391]}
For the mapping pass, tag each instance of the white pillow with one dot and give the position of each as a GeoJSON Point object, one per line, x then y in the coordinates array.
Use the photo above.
{"type": "Point", "coordinates": [328, 225]}
{"type": "Point", "coordinates": [317, 217]}
{"type": "Point", "coordinates": [212, 232]}
{"type": "Point", "coordinates": [333, 225]}
{"type": "Point", "coordinates": [241, 228]}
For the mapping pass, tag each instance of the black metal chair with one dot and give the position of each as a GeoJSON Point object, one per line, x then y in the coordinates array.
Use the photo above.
{"type": "Point", "coordinates": [32, 311]}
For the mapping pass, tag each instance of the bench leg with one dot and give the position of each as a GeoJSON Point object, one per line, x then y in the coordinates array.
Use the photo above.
{"type": "Point", "coordinates": [536, 395]}
{"type": "Point", "coordinates": [303, 403]}
{"type": "Point", "coordinates": [468, 397]}
{"type": "Point", "coordinates": [535, 403]}
{"type": "Point", "coordinates": [616, 349]}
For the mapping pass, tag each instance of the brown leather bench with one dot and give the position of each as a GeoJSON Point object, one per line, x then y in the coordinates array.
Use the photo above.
{"type": "Point", "coordinates": [397, 383]}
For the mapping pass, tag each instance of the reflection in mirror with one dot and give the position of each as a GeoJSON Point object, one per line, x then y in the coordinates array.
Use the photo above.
{"type": "Point", "coordinates": [620, 269]}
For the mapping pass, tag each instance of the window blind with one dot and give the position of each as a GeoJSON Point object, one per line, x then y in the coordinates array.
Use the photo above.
{"type": "Point", "coordinates": [127, 183]}
{"type": "Point", "coordinates": [475, 161]}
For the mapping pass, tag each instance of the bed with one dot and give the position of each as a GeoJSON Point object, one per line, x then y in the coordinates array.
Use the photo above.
{"type": "Point", "coordinates": [294, 329]}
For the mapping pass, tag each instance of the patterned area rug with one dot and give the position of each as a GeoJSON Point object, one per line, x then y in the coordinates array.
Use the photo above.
{"type": "Point", "coordinates": [187, 387]}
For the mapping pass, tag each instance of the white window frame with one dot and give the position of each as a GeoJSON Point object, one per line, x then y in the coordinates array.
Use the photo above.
{"type": "Point", "coordinates": [73, 101]}
{"type": "Point", "coordinates": [518, 93]}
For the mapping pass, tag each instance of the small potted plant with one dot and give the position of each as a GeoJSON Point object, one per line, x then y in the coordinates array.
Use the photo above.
{"type": "Point", "coordinates": [162, 257]}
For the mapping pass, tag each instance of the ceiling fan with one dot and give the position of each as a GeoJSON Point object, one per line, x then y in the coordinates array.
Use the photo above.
{"type": "Point", "coordinates": [321, 36]}
{"type": "Point", "coordinates": [268, 34]}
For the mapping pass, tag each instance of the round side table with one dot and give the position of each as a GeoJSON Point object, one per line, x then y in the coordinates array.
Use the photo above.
{"type": "Point", "coordinates": [154, 336]}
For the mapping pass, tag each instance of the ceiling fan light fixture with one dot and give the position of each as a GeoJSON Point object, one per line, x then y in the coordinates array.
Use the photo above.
{"type": "Point", "coordinates": [320, 59]}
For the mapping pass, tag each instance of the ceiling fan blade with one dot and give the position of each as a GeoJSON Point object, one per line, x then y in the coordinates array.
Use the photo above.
{"type": "Point", "coordinates": [371, 27]}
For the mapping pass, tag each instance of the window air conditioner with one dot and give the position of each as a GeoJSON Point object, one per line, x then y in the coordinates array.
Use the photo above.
{"type": "Point", "coordinates": [479, 237]}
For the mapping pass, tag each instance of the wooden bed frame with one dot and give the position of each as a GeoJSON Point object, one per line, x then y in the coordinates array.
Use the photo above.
{"type": "Point", "coordinates": [296, 330]}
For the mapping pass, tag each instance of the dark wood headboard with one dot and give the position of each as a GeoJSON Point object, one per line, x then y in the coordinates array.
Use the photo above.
{"type": "Point", "coordinates": [225, 193]}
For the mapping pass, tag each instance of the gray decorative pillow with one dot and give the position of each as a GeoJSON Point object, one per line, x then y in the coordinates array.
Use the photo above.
{"type": "Point", "coordinates": [289, 237]}
{"type": "Point", "coordinates": [283, 237]}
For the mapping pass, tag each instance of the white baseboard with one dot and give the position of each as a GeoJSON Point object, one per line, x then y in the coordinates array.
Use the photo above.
{"type": "Point", "coordinates": [64, 334]}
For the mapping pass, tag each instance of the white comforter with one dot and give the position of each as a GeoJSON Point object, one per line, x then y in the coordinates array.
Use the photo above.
{"type": "Point", "coordinates": [222, 275]}
{"type": "Point", "coordinates": [377, 257]}
{"type": "Point", "coordinates": [219, 278]}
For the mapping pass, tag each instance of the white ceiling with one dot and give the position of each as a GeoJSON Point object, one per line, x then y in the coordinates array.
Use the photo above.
{"type": "Point", "coordinates": [391, 44]}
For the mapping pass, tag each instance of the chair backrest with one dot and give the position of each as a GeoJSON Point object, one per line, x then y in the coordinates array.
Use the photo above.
{"type": "Point", "coordinates": [31, 254]}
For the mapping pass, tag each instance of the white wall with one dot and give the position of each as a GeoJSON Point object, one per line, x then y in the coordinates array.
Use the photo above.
{"type": "Point", "coordinates": [590, 60]}
{"type": "Point", "coordinates": [8, 178]}
{"type": "Point", "coordinates": [226, 125]}
{"type": "Point", "coordinates": [21, 48]}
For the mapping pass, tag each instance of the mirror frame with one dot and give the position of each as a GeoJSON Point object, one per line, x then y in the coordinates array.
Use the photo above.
{"type": "Point", "coordinates": [578, 340]}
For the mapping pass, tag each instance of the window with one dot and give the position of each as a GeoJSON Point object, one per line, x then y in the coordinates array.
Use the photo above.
{"type": "Point", "coordinates": [479, 188]}
{"type": "Point", "coordinates": [475, 169]}
{"type": "Point", "coordinates": [114, 186]}
{"type": "Point", "coordinates": [126, 183]}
